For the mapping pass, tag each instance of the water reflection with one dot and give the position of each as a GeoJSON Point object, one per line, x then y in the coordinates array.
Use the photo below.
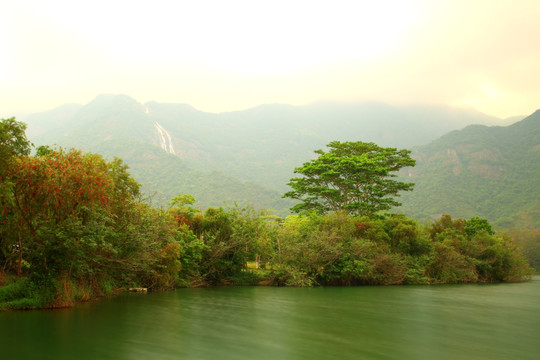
{"type": "Point", "coordinates": [416, 322]}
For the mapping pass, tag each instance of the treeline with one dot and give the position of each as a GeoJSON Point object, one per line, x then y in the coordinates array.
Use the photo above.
{"type": "Point", "coordinates": [74, 227]}
{"type": "Point", "coordinates": [335, 249]}
{"type": "Point", "coordinates": [529, 243]}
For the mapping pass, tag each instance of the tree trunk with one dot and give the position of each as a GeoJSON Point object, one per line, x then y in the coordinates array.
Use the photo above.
{"type": "Point", "coordinates": [20, 257]}
{"type": "Point", "coordinates": [279, 249]}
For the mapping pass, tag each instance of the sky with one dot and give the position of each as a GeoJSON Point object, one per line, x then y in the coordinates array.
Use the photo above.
{"type": "Point", "coordinates": [232, 55]}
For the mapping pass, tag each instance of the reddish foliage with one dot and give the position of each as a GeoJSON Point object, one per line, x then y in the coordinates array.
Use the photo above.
{"type": "Point", "coordinates": [59, 186]}
{"type": "Point", "coordinates": [361, 227]}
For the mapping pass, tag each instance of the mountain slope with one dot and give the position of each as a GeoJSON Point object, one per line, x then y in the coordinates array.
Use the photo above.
{"type": "Point", "coordinates": [245, 156]}
{"type": "Point", "coordinates": [119, 126]}
{"type": "Point", "coordinates": [164, 176]}
{"type": "Point", "coordinates": [266, 143]}
{"type": "Point", "coordinates": [490, 172]}
{"type": "Point", "coordinates": [107, 117]}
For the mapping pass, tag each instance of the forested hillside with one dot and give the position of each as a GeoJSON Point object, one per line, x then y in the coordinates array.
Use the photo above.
{"type": "Point", "coordinates": [265, 144]}
{"type": "Point", "coordinates": [486, 171]}
{"type": "Point", "coordinates": [245, 156]}
{"type": "Point", "coordinates": [249, 156]}
{"type": "Point", "coordinates": [118, 126]}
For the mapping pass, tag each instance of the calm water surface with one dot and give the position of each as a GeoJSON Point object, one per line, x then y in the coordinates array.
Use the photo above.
{"type": "Point", "coordinates": [499, 321]}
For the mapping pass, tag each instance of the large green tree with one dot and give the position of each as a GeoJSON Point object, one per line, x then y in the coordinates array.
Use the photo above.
{"type": "Point", "coordinates": [13, 141]}
{"type": "Point", "coordinates": [355, 177]}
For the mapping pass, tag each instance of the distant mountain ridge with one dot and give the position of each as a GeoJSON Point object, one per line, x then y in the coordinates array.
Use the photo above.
{"type": "Point", "coordinates": [263, 144]}
{"type": "Point", "coordinates": [245, 156]}
{"type": "Point", "coordinates": [266, 143]}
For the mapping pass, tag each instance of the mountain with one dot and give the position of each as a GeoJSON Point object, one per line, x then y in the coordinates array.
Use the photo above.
{"type": "Point", "coordinates": [119, 126]}
{"type": "Point", "coordinates": [106, 118]}
{"type": "Point", "coordinates": [491, 172]}
{"type": "Point", "coordinates": [265, 144]}
{"type": "Point", "coordinates": [245, 156]}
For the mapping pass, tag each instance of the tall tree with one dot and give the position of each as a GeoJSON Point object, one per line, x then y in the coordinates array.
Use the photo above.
{"type": "Point", "coordinates": [13, 143]}
{"type": "Point", "coordinates": [13, 140]}
{"type": "Point", "coordinates": [355, 177]}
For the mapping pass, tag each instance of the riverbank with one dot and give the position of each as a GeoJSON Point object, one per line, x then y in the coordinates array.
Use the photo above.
{"type": "Point", "coordinates": [23, 294]}
{"type": "Point", "coordinates": [75, 227]}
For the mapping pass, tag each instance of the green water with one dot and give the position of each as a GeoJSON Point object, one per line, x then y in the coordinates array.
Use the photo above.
{"type": "Point", "coordinates": [499, 321]}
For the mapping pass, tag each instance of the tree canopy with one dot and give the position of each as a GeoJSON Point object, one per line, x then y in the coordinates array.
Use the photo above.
{"type": "Point", "coordinates": [13, 140]}
{"type": "Point", "coordinates": [355, 177]}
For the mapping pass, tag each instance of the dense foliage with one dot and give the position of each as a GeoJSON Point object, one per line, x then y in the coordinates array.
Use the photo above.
{"type": "Point", "coordinates": [336, 249]}
{"type": "Point", "coordinates": [74, 227]}
{"type": "Point", "coordinates": [354, 177]}
{"type": "Point", "coordinates": [529, 242]}
{"type": "Point", "coordinates": [340, 250]}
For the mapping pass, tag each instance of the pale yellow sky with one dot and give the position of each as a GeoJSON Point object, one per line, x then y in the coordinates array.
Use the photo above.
{"type": "Point", "coordinates": [232, 55]}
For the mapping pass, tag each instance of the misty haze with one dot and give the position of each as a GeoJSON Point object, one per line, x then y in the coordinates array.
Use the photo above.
{"type": "Point", "coordinates": [238, 180]}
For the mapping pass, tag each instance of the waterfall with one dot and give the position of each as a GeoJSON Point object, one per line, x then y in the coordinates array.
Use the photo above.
{"type": "Point", "coordinates": [165, 139]}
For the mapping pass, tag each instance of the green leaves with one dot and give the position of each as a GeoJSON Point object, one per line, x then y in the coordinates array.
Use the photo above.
{"type": "Point", "coordinates": [13, 140]}
{"type": "Point", "coordinates": [476, 225]}
{"type": "Point", "coordinates": [77, 218]}
{"type": "Point", "coordinates": [355, 177]}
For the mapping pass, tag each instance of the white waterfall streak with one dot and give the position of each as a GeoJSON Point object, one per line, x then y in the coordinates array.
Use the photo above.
{"type": "Point", "coordinates": [165, 140]}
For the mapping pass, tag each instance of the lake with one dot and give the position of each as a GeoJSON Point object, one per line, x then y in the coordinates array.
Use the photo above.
{"type": "Point", "coordinates": [495, 321]}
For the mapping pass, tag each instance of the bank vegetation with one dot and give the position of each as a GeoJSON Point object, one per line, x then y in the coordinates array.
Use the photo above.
{"type": "Point", "coordinates": [75, 227]}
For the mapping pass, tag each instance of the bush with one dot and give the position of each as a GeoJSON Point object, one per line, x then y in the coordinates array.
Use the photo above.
{"type": "Point", "coordinates": [25, 294]}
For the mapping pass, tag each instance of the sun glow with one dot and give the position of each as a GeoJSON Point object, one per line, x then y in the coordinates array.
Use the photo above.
{"type": "Point", "coordinates": [245, 36]}
{"type": "Point", "coordinates": [230, 55]}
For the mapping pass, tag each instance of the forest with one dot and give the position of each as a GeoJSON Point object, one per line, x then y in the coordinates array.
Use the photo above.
{"type": "Point", "coordinates": [75, 227]}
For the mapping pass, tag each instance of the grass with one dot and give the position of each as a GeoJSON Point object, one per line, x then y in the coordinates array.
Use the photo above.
{"type": "Point", "coordinates": [24, 294]}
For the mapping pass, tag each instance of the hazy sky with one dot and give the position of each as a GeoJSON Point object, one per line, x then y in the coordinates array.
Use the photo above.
{"type": "Point", "coordinates": [232, 55]}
